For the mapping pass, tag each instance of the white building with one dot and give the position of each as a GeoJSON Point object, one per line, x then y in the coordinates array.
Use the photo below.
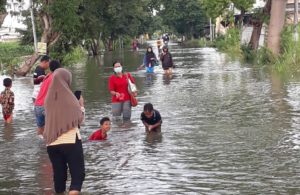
{"type": "Point", "coordinates": [14, 19]}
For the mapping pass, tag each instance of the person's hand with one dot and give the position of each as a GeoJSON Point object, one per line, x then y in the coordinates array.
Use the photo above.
{"type": "Point", "coordinates": [41, 77]}
{"type": "Point", "coordinates": [150, 127]}
{"type": "Point", "coordinates": [117, 94]}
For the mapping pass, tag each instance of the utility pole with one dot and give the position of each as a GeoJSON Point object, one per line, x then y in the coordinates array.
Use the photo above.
{"type": "Point", "coordinates": [296, 10]}
{"type": "Point", "coordinates": [33, 26]}
{"type": "Point", "coordinates": [210, 30]}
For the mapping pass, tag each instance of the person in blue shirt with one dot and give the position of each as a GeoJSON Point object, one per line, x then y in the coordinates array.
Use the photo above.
{"type": "Point", "coordinates": [149, 61]}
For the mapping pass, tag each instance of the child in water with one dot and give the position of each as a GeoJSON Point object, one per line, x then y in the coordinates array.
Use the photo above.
{"type": "Point", "coordinates": [151, 118]}
{"type": "Point", "coordinates": [101, 134]}
{"type": "Point", "coordinates": [7, 100]}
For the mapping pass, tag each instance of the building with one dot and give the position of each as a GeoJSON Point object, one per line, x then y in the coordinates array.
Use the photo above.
{"type": "Point", "coordinates": [14, 19]}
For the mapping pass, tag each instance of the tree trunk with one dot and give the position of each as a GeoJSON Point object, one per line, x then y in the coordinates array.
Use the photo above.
{"type": "Point", "coordinates": [27, 65]}
{"type": "Point", "coordinates": [241, 18]}
{"type": "Point", "coordinates": [257, 26]}
{"type": "Point", "coordinates": [48, 37]}
{"type": "Point", "coordinates": [254, 41]}
{"type": "Point", "coordinates": [2, 17]}
{"type": "Point", "coordinates": [277, 21]}
{"type": "Point", "coordinates": [95, 47]}
{"type": "Point", "coordinates": [110, 45]}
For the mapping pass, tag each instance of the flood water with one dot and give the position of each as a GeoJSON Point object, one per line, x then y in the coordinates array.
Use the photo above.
{"type": "Point", "coordinates": [228, 128]}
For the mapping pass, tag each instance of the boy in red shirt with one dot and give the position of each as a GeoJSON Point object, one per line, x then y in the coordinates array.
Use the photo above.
{"type": "Point", "coordinates": [101, 134]}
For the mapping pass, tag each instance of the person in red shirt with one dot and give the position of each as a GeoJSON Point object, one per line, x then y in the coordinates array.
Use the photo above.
{"type": "Point", "coordinates": [118, 87]}
{"type": "Point", "coordinates": [101, 134]}
{"type": "Point", "coordinates": [39, 102]}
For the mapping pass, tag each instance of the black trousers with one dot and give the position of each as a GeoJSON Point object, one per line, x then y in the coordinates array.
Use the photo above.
{"type": "Point", "coordinates": [66, 156]}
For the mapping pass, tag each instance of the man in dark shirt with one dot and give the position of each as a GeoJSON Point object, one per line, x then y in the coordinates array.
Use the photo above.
{"type": "Point", "coordinates": [151, 118]}
{"type": "Point", "coordinates": [39, 75]}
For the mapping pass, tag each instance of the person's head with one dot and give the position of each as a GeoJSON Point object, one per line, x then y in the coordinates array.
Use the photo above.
{"type": "Point", "coordinates": [45, 62]}
{"type": "Point", "coordinates": [148, 110]}
{"type": "Point", "coordinates": [7, 82]}
{"type": "Point", "coordinates": [165, 49]}
{"type": "Point", "coordinates": [105, 124]}
{"type": "Point", "coordinates": [117, 67]}
{"type": "Point", "coordinates": [149, 50]}
{"type": "Point", "coordinates": [61, 77]}
{"type": "Point", "coordinates": [53, 65]}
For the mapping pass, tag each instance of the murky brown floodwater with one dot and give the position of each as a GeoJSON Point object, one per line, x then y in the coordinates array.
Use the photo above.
{"type": "Point", "coordinates": [227, 129]}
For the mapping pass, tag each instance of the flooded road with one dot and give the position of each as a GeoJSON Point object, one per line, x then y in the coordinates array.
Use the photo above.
{"type": "Point", "coordinates": [227, 129]}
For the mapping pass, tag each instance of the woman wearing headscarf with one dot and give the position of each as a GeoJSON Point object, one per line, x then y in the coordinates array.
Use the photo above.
{"type": "Point", "coordinates": [149, 60]}
{"type": "Point", "coordinates": [118, 87]}
{"type": "Point", "coordinates": [166, 61]}
{"type": "Point", "coordinates": [61, 134]}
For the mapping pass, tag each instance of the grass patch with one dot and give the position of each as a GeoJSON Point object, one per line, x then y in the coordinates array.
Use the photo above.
{"type": "Point", "coordinates": [11, 55]}
{"type": "Point", "coordinates": [230, 43]}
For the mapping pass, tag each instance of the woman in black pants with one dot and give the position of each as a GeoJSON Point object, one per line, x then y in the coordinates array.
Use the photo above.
{"type": "Point", "coordinates": [63, 116]}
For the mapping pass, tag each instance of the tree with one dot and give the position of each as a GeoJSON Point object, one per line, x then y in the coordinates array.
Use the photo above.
{"type": "Point", "coordinates": [215, 9]}
{"type": "Point", "coordinates": [3, 12]}
{"type": "Point", "coordinates": [276, 25]}
{"type": "Point", "coordinates": [114, 20]}
{"type": "Point", "coordinates": [257, 21]}
{"type": "Point", "coordinates": [185, 17]}
{"type": "Point", "coordinates": [54, 18]}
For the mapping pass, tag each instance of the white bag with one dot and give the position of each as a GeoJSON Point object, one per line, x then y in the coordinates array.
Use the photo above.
{"type": "Point", "coordinates": [131, 86]}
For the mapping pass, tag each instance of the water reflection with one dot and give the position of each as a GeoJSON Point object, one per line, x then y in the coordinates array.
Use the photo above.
{"type": "Point", "coordinates": [167, 79]}
{"type": "Point", "coordinates": [8, 132]}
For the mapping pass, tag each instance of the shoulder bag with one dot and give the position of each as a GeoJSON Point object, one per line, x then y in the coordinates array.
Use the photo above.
{"type": "Point", "coordinates": [132, 89]}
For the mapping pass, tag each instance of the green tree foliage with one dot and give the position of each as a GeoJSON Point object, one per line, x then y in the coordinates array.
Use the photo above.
{"type": "Point", "coordinates": [3, 12]}
{"type": "Point", "coordinates": [185, 17]}
{"type": "Point", "coordinates": [2, 6]}
{"type": "Point", "coordinates": [221, 7]}
{"type": "Point", "coordinates": [114, 19]}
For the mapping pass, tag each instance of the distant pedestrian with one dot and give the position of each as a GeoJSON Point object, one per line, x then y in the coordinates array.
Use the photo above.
{"type": "Point", "coordinates": [151, 118]}
{"type": "Point", "coordinates": [149, 61]}
{"type": "Point", "coordinates": [101, 134]}
{"type": "Point", "coordinates": [39, 75]}
{"type": "Point", "coordinates": [167, 61]}
{"type": "Point", "coordinates": [135, 44]}
{"type": "Point", "coordinates": [7, 100]}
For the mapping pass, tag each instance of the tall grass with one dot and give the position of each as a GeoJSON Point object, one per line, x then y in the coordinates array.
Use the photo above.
{"type": "Point", "coordinates": [289, 60]}
{"type": "Point", "coordinates": [77, 55]}
{"type": "Point", "coordinates": [230, 42]}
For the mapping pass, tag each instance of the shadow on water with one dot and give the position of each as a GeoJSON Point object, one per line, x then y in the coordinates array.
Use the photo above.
{"type": "Point", "coordinates": [227, 128]}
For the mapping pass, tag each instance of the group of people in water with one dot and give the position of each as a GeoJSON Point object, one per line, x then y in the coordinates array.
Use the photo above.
{"type": "Point", "coordinates": [59, 113]}
{"type": "Point", "coordinates": [150, 61]}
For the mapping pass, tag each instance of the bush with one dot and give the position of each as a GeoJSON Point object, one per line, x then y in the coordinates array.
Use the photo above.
{"type": "Point", "coordinates": [11, 54]}
{"type": "Point", "coordinates": [230, 42]}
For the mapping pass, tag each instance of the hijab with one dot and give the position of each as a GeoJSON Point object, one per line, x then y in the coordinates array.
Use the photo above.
{"type": "Point", "coordinates": [149, 55]}
{"type": "Point", "coordinates": [62, 109]}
